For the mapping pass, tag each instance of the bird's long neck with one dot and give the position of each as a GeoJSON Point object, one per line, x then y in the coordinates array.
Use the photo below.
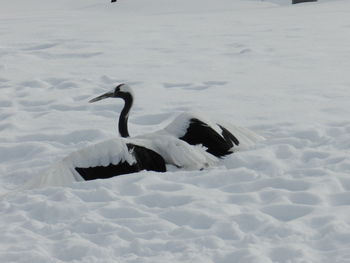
{"type": "Point", "coordinates": [124, 115]}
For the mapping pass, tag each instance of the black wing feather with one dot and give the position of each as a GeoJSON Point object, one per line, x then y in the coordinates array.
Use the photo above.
{"type": "Point", "coordinates": [146, 159]}
{"type": "Point", "coordinates": [199, 132]}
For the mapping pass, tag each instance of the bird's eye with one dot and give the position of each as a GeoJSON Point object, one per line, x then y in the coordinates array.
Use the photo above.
{"type": "Point", "coordinates": [117, 89]}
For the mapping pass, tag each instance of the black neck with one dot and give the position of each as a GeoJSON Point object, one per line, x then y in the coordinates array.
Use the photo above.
{"type": "Point", "coordinates": [124, 115]}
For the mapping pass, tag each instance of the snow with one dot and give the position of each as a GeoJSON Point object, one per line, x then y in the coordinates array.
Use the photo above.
{"type": "Point", "coordinates": [280, 70]}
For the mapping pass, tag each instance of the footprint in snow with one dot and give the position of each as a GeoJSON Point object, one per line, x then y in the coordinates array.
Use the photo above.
{"type": "Point", "coordinates": [215, 83]}
{"type": "Point", "coordinates": [40, 47]}
{"type": "Point", "coordinates": [287, 212]}
{"type": "Point", "coordinates": [7, 126]}
{"type": "Point", "coordinates": [242, 199]}
{"type": "Point", "coordinates": [311, 155]}
{"type": "Point", "coordinates": [190, 218]}
{"type": "Point", "coordinates": [304, 198]}
{"type": "Point", "coordinates": [341, 199]}
{"type": "Point", "coordinates": [5, 103]}
{"type": "Point", "coordinates": [114, 212]}
{"type": "Point", "coordinates": [313, 136]}
{"type": "Point", "coordinates": [55, 81]}
{"type": "Point", "coordinates": [287, 254]}
{"type": "Point", "coordinates": [249, 222]}
{"type": "Point", "coordinates": [159, 200]}
{"type": "Point", "coordinates": [207, 85]}
{"type": "Point", "coordinates": [19, 152]}
{"type": "Point", "coordinates": [309, 172]}
{"type": "Point", "coordinates": [345, 182]}
{"type": "Point", "coordinates": [47, 55]}
{"type": "Point", "coordinates": [274, 183]}
{"type": "Point", "coordinates": [176, 85]}
{"type": "Point", "coordinates": [191, 86]}
{"type": "Point", "coordinates": [242, 255]}
{"type": "Point", "coordinates": [96, 195]}
{"type": "Point", "coordinates": [199, 87]}
{"type": "Point", "coordinates": [5, 115]}
{"type": "Point", "coordinates": [66, 85]}
{"type": "Point", "coordinates": [35, 103]}
{"type": "Point", "coordinates": [166, 187]}
{"type": "Point", "coordinates": [320, 221]}
{"type": "Point", "coordinates": [33, 84]}
{"type": "Point", "coordinates": [285, 151]}
{"type": "Point", "coordinates": [245, 51]}
{"type": "Point", "coordinates": [72, 250]}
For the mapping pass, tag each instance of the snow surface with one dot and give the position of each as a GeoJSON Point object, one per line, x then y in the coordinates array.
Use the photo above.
{"type": "Point", "coordinates": [279, 69]}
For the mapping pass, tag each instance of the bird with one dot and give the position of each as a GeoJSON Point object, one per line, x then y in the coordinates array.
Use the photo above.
{"type": "Point", "coordinates": [190, 142]}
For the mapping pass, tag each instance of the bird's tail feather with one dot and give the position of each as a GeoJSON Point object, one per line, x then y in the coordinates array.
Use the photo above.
{"type": "Point", "coordinates": [246, 137]}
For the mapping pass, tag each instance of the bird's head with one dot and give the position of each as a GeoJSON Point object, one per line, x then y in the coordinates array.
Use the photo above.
{"type": "Point", "coordinates": [121, 91]}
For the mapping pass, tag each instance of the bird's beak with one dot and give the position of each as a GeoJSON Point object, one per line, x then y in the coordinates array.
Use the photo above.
{"type": "Point", "coordinates": [101, 97]}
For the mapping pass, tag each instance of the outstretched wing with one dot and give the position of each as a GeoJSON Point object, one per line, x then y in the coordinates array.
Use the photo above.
{"type": "Point", "coordinates": [145, 159]}
{"type": "Point", "coordinates": [217, 143]}
{"type": "Point", "coordinates": [218, 139]}
{"type": "Point", "coordinates": [103, 160]}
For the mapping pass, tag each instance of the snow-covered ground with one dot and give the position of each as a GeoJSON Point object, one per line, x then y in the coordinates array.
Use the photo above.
{"type": "Point", "coordinates": [281, 70]}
